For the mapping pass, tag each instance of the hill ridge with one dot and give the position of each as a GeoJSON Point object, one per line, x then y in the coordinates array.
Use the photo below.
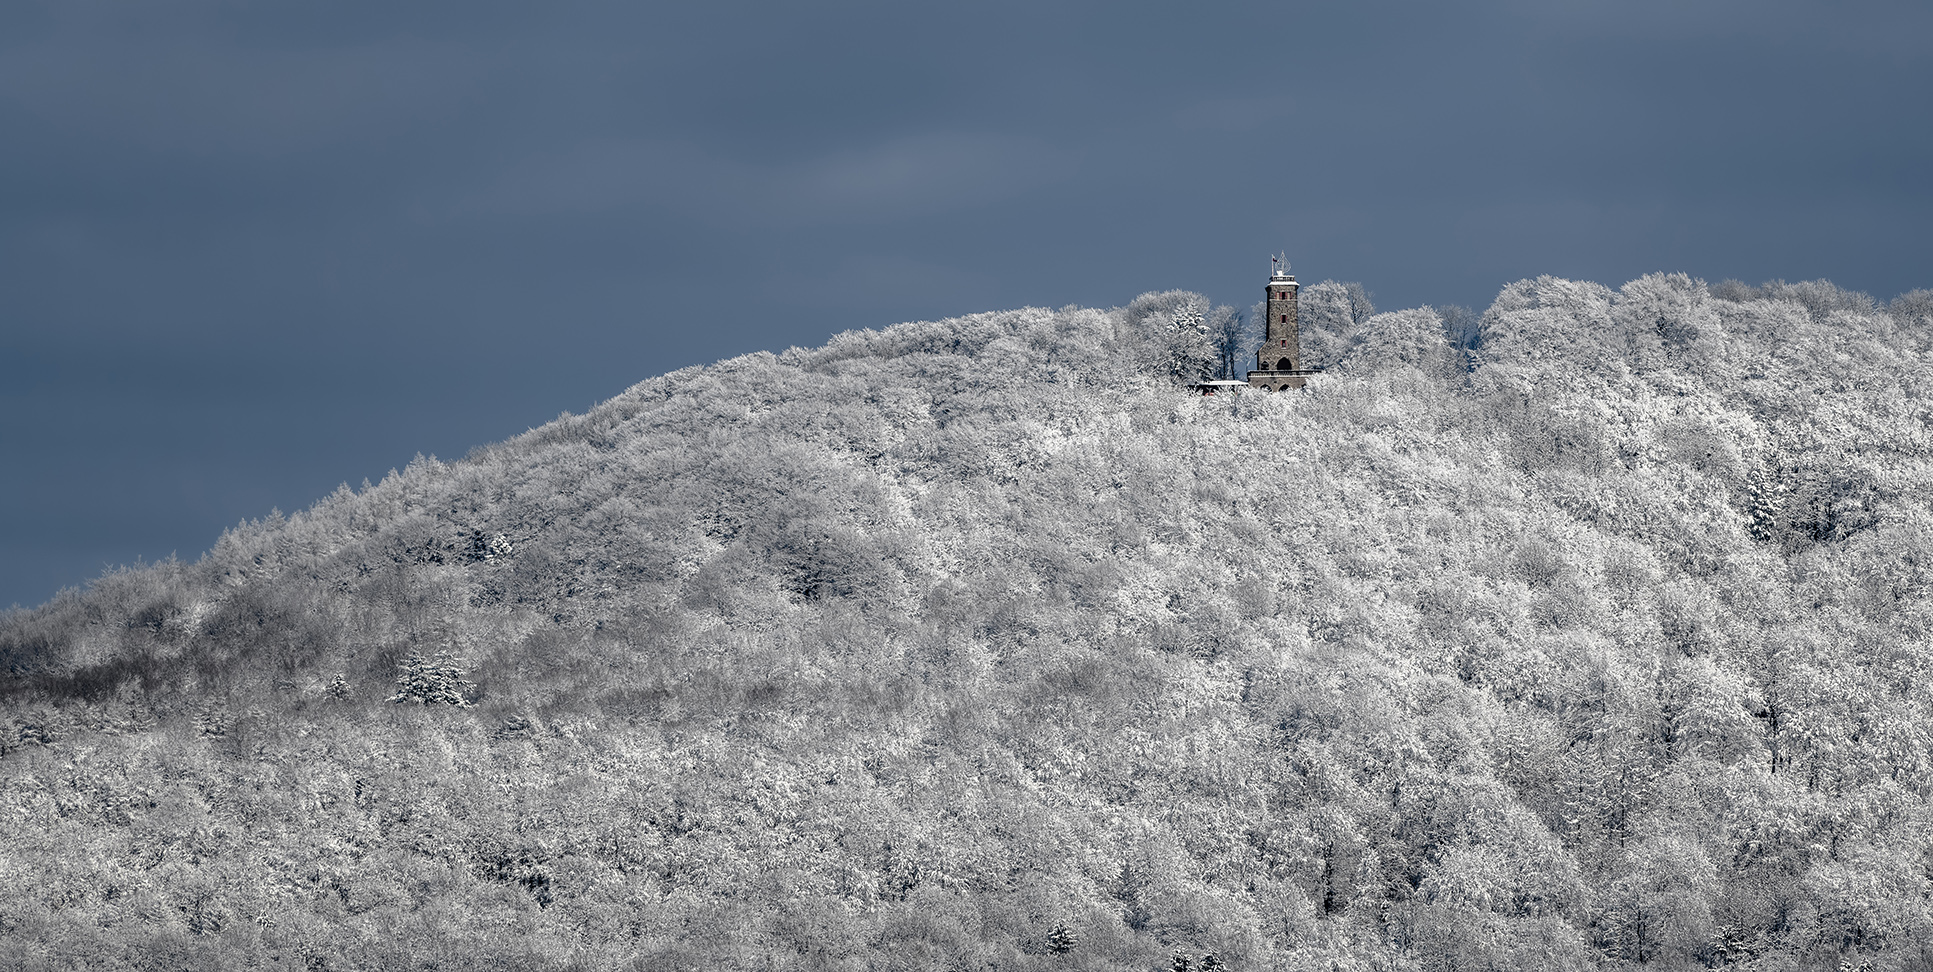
{"type": "Point", "coordinates": [1596, 639]}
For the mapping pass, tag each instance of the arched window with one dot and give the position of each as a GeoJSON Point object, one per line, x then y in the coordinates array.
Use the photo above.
{"type": "Point", "coordinates": [1285, 365]}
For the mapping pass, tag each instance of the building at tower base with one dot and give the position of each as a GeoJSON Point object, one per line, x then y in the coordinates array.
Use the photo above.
{"type": "Point", "coordinates": [1278, 362]}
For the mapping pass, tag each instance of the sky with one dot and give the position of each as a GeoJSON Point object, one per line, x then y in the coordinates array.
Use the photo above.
{"type": "Point", "coordinates": [251, 251]}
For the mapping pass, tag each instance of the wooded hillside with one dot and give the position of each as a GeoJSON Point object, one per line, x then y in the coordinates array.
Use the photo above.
{"type": "Point", "coordinates": [1597, 638]}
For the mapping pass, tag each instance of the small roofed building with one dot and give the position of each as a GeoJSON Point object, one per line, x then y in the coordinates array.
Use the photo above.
{"type": "Point", "coordinates": [1278, 362]}
{"type": "Point", "coordinates": [1221, 385]}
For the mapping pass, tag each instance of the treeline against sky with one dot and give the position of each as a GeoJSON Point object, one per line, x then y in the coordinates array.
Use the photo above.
{"type": "Point", "coordinates": [1589, 633]}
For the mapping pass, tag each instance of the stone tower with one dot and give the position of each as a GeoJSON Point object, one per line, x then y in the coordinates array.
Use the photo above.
{"type": "Point", "coordinates": [1278, 362]}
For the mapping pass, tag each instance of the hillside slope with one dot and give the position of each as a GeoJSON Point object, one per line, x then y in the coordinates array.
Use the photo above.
{"type": "Point", "coordinates": [978, 643]}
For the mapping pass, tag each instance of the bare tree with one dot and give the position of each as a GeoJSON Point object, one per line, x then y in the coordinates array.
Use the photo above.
{"type": "Point", "coordinates": [1229, 329]}
{"type": "Point", "coordinates": [1331, 314]}
{"type": "Point", "coordinates": [1464, 329]}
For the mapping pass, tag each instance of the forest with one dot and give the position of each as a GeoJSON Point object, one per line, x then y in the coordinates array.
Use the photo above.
{"type": "Point", "coordinates": [1588, 632]}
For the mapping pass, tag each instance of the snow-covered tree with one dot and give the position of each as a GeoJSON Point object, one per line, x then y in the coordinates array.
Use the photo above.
{"type": "Point", "coordinates": [435, 680]}
{"type": "Point", "coordinates": [933, 644]}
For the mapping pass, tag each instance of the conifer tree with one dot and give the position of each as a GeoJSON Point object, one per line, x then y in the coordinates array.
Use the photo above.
{"type": "Point", "coordinates": [1062, 939]}
{"type": "Point", "coordinates": [437, 680]}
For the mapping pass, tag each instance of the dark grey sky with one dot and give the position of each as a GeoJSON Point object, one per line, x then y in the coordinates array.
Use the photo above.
{"type": "Point", "coordinates": [250, 251]}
